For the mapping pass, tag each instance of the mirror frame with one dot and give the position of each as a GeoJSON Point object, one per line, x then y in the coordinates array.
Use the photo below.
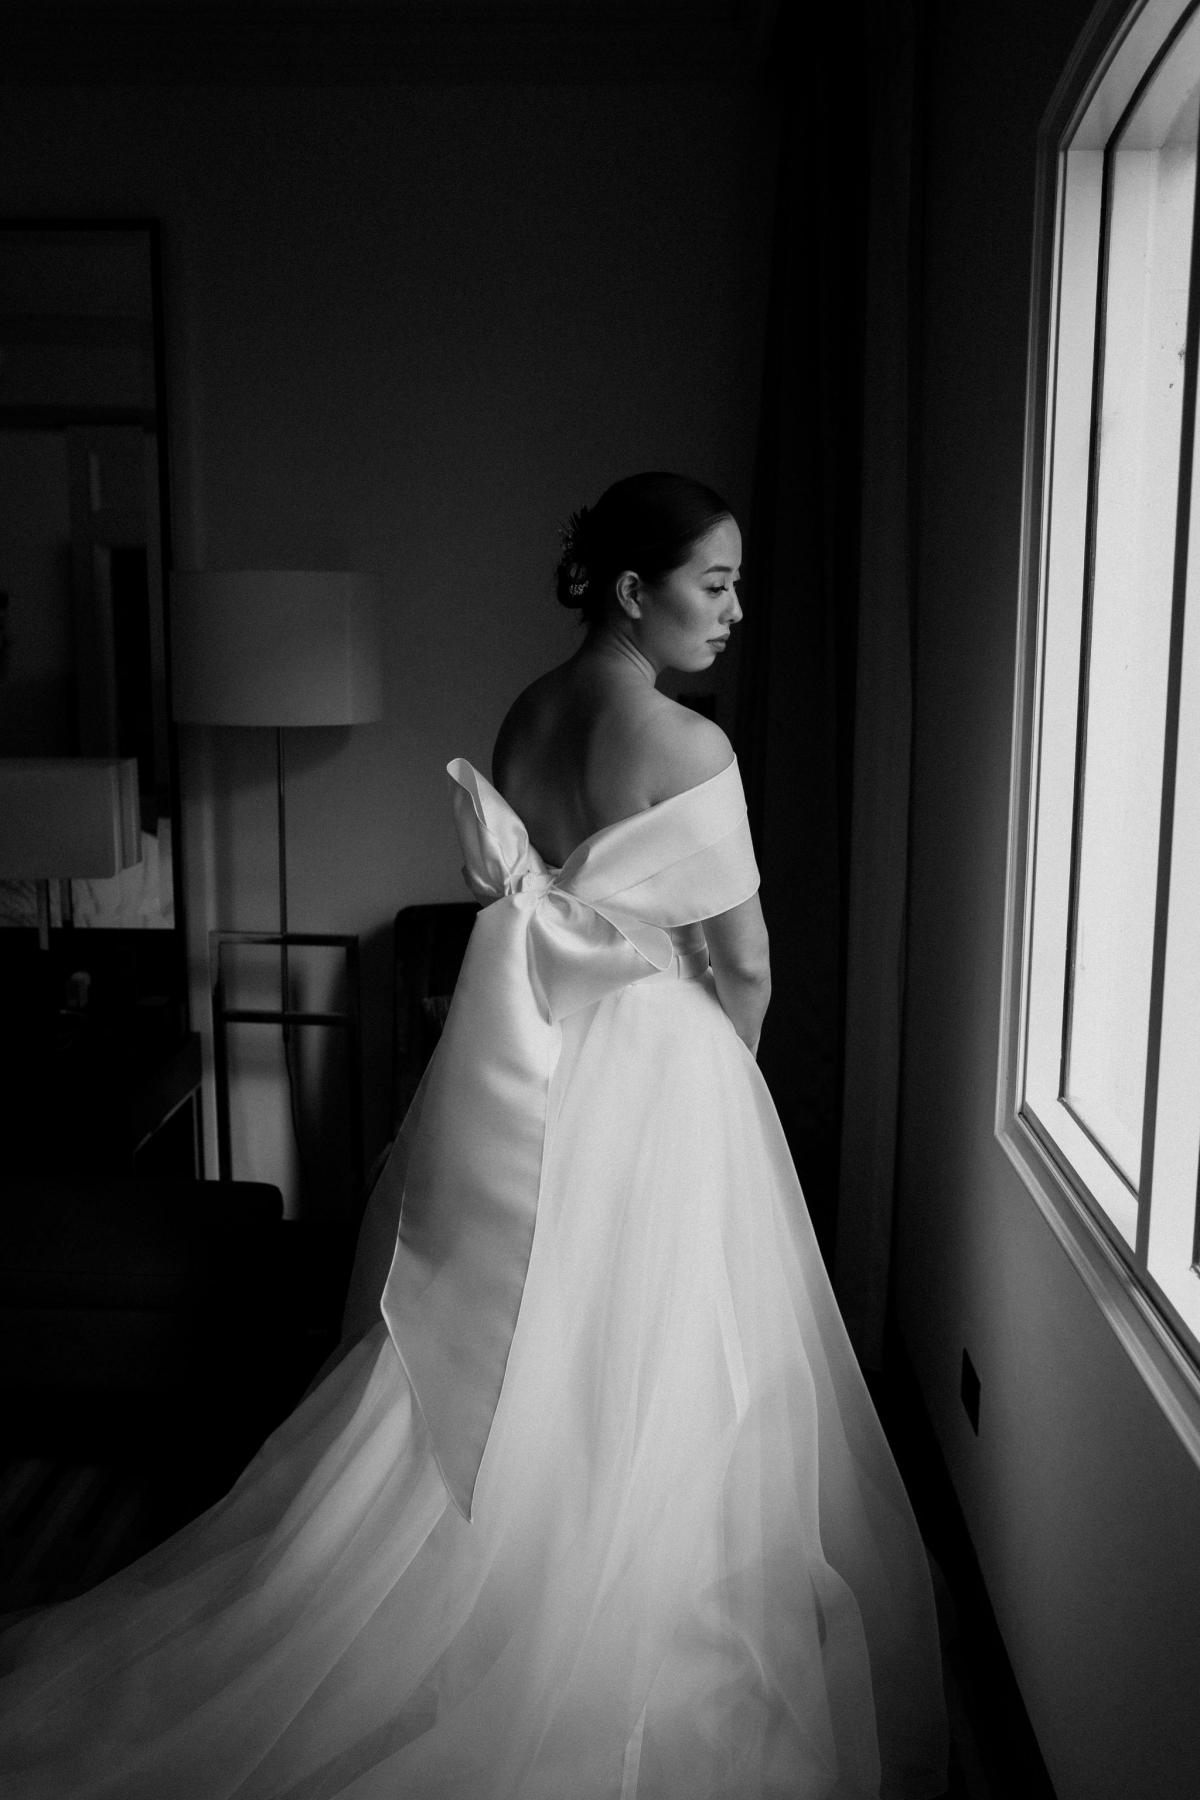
{"type": "Point", "coordinates": [28, 414]}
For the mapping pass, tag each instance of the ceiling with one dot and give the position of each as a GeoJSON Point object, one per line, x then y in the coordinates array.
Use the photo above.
{"type": "Point", "coordinates": [188, 42]}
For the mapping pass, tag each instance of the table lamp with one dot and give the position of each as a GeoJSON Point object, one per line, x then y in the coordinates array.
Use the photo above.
{"type": "Point", "coordinates": [67, 818]}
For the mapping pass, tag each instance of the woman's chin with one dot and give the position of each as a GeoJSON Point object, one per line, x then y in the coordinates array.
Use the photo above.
{"type": "Point", "coordinates": [694, 660]}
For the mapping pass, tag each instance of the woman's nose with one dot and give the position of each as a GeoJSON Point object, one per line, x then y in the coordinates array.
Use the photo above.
{"type": "Point", "coordinates": [733, 612]}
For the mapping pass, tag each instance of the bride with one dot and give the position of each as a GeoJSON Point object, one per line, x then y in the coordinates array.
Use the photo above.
{"type": "Point", "coordinates": [594, 1505]}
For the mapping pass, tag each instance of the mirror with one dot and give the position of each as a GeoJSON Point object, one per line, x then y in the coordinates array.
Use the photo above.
{"type": "Point", "coordinates": [83, 523]}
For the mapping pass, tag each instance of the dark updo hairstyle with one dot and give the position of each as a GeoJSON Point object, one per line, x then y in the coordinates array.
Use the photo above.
{"type": "Point", "coordinates": [647, 523]}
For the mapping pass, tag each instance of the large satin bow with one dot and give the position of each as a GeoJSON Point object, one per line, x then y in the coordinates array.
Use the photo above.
{"type": "Point", "coordinates": [541, 949]}
{"type": "Point", "coordinates": [578, 949]}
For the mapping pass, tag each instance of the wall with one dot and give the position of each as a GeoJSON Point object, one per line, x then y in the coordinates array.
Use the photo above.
{"type": "Point", "coordinates": [409, 329]}
{"type": "Point", "coordinates": [1081, 1503]}
{"type": "Point", "coordinates": [38, 714]}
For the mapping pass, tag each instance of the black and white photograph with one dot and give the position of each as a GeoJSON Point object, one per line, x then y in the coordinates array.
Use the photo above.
{"type": "Point", "coordinates": [599, 900]}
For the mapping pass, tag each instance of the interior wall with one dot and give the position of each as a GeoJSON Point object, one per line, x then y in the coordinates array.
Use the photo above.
{"type": "Point", "coordinates": [38, 717]}
{"type": "Point", "coordinates": [408, 330]}
{"type": "Point", "coordinates": [1081, 1502]}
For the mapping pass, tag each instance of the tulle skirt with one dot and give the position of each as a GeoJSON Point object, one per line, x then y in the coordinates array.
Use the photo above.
{"type": "Point", "coordinates": [692, 1572]}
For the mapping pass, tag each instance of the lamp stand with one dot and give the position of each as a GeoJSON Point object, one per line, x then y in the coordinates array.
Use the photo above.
{"type": "Point", "coordinates": [347, 1020]}
{"type": "Point", "coordinates": [66, 908]}
{"type": "Point", "coordinates": [281, 839]}
{"type": "Point", "coordinates": [43, 906]}
{"type": "Point", "coordinates": [280, 649]}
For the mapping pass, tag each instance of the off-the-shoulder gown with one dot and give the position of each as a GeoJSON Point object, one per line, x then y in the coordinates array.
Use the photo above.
{"type": "Point", "coordinates": [597, 1507]}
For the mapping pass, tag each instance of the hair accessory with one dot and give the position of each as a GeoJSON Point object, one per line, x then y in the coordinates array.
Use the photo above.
{"type": "Point", "coordinates": [572, 562]}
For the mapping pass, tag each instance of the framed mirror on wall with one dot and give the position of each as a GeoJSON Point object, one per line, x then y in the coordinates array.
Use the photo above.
{"type": "Point", "coordinates": [95, 959]}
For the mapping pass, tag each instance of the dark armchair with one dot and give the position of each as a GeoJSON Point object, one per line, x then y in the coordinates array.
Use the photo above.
{"type": "Point", "coordinates": [429, 943]}
{"type": "Point", "coordinates": [152, 1333]}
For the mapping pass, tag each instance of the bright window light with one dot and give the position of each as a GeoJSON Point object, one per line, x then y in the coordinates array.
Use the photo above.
{"type": "Point", "coordinates": [1100, 1065]}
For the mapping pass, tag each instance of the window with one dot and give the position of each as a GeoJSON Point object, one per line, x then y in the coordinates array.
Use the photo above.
{"type": "Point", "coordinates": [1100, 1089]}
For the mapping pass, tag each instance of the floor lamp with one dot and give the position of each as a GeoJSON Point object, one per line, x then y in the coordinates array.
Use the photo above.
{"type": "Point", "coordinates": [278, 648]}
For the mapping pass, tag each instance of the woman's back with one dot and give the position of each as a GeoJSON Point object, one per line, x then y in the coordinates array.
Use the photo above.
{"type": "Point", "coordinates": [592, 742]}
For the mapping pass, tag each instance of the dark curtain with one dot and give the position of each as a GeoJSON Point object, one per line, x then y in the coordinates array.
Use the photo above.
{"type": "Point", "coordinates": [833, 85]}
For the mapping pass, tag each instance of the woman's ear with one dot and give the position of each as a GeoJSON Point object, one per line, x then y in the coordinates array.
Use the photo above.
{"type": "Point", "coordinates": [629, 594]}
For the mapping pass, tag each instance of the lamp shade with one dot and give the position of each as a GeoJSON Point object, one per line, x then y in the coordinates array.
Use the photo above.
{"type": "Point", "coordinates": [64, 817]}
{"type": "Point", "coordinates": [275, 647]}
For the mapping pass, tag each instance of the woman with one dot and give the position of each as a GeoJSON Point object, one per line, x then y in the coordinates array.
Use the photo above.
{"type": "Point", "coordinates": [595, 1510]}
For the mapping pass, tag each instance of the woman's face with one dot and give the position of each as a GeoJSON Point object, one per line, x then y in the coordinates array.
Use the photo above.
{"type": "Point", "coordinates": [687, 615]}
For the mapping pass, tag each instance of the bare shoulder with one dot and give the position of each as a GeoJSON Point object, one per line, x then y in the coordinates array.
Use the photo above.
{"type": "Point", "coordinates": [524, 721]}
{"type": "Point", "coordinates": [685, 749]}
{"type": "Point", "coordinates": [579, 750]}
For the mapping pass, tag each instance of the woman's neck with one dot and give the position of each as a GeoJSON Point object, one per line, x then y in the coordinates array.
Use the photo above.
{"type": "Point", "coordinates": [609, 645]}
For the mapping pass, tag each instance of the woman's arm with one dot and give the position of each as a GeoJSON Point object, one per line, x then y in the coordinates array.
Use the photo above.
{"type": "Point", "coordinates": [740, 955]}
{"type": "Point", "coordinates": [689, 749]}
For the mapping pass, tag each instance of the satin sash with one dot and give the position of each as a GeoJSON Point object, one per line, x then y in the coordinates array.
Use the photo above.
{"type": "Point", "coordinates": [547, 942]}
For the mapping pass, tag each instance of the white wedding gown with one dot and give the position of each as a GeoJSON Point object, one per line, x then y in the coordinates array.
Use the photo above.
{"type": "Point", "coordinates": [596, 1512]}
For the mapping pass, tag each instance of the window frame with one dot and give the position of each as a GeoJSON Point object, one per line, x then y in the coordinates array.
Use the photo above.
{"type": "Point", "coordinates": [1118, 45]}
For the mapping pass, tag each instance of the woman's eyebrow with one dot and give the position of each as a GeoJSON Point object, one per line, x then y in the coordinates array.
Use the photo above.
{"type": "Point", "coordinates": [719, 569]}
